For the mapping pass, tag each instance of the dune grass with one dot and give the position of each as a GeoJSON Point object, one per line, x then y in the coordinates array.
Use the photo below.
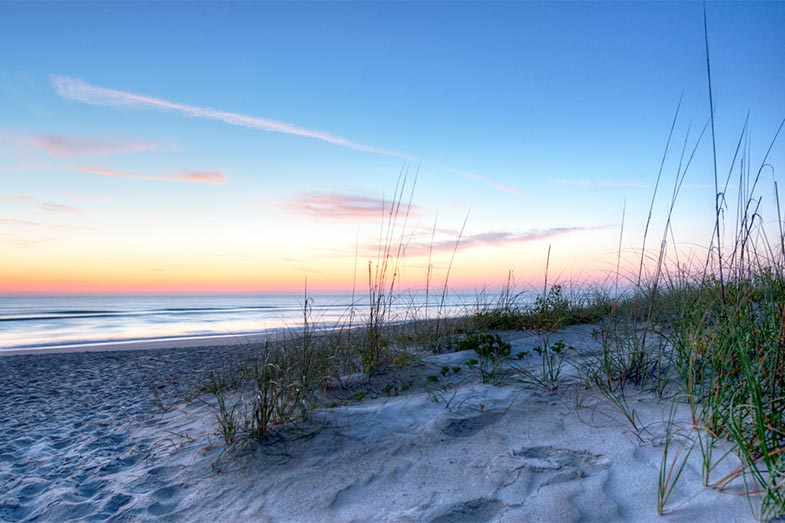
{"type": "Point", "coordinates": [712, 338]}
{"type": "Point", "coordinates": [718, 345]}
{"type": "Point", "coordinates": [711, 334]}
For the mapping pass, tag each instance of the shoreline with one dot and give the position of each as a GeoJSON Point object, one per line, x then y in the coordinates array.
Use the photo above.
{"type": "Point", "coordinates": [98, 323]}
{"type": "Point", "coordinates": [209, 340]}
{"type": "Point", "coordinates": [225, 340]}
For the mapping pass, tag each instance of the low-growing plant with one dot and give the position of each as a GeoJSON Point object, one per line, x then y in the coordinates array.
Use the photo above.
{"type": "Point", "coordinates": [552, 358]}
{"type": "Point", "coordinates": [492, 350]}
{"type": "Point", "coordinates": [505, 314]}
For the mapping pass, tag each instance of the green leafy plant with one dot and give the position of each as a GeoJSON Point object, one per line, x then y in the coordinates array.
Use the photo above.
{"type": "Point", "coordinates": [552, 358]}
{"type": "Point", "coordinates": [492, 350]}
{"type": "Point", "coordinates": [552, 361]}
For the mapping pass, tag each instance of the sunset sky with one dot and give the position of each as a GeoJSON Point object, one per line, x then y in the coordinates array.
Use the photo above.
{"type": "Point", "coordinates": [222, 148]}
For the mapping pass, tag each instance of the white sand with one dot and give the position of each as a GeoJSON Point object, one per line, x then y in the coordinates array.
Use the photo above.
{"type": "Point", "coordinates": [81, 438]}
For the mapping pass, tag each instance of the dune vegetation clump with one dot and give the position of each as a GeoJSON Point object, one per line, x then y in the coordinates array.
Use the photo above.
{"type": "Point", "coordinates": [709, 333]}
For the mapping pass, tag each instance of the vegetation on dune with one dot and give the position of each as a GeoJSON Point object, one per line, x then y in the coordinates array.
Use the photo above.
{"type": "Point", "coordinates": [710, 334]}
{"type": "Point", "coordinates": [718, 345]}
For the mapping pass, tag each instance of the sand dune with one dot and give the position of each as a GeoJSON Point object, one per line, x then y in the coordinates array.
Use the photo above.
{"type": "Point", "coordinates": [83, 437]}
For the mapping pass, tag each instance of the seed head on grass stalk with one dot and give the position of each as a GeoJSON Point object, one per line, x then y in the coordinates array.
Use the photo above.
{"type": "Point", "coordinates": [384, 275]}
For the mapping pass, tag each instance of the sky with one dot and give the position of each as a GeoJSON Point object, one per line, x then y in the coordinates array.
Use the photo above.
{"type": "Point", "coordinates": [191, 148]}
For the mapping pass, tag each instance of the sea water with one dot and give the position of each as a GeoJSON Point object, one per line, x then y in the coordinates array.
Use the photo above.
{"type": "Point", "coordinates": [44, 322]}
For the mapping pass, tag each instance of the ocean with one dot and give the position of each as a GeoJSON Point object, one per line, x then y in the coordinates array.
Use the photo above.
{"type": "Point", "coordinates": [72, 321]}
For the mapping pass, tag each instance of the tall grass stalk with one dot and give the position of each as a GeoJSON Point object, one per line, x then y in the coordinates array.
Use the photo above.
{"type": "Point", "coordinates": [384, 275]}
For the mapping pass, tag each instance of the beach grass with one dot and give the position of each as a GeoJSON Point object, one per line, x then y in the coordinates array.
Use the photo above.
{"type": "Point", "coordinates": [710, 334]}
{"type": "Point", "coordinates": [718, 345]}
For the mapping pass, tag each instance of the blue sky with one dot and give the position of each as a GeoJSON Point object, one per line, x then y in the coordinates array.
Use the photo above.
{"type": "Point", "coordinates": [538, 119]}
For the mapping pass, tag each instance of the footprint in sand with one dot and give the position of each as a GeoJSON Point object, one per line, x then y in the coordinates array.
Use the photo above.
{"type": "Point", "coordinates": [528, 469]}
{"type": "Point", "coordinates": [558, 465]}
{"type": "Point", "coordinates": [466, 427]}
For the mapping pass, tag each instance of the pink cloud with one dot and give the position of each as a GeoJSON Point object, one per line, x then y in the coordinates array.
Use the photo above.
{"type": "Point", "coordinates": [211, 177]}
{"type": "Point", "coordinates": [342, 206]}
{"type": "Point", "coordinates": [17, 198]}
{"type": "Point", "coordinates": [117, 174]}
{"type": "Point", "coordinates": [25, 223]}
{"type": "Point", "coordinates": [70, 147]}
{"type": "Point", "coordinates": [59, 207]}
{"type": "Point", "coordinates": [498, 239]}
{"type": "Point", "coordinates": [81, 91]}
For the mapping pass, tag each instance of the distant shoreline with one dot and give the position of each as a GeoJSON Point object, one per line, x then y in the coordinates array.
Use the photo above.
{"type": "Point", "coordinates": [219, 340]}
{"type": "Point", "coordinates": [99, 324]}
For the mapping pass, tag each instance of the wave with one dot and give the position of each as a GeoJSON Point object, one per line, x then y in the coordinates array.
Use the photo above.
{"type": "Point", "coordinates": [83, 314]}
{"type": "Point", "coordinates": [80, 314]}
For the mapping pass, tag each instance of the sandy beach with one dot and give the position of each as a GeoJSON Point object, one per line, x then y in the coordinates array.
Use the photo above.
{"type": "Point", "coordinates": [109, 436]}
{"type": "Point", "coordinates": [438, 262]}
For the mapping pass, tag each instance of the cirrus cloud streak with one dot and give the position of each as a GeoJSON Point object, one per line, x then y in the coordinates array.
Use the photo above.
{"type": "Point", "coordinates": [81, 91]}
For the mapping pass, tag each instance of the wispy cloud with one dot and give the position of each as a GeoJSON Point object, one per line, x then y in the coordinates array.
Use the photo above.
{"type": "Point", "coordinates": [211, 177]}
{"type": "Point", "coordinates": [44, 206]}
{"type": "Point", "coordinates": [24, 223]}
{"type": "Point", "coordinates": [81, 91]}
{"type": "Point", "coordinates": [335, 206]}
{"type": "Point", "coordinates": [117, 174]}
{"type": "Point", "coordinates": [208, 177]}
{"type": "Point", "coordinates": [499, 239]}
{"type": "Point", "coordinates": [491, 183]}
{"type": "Point", "coordinates": [26, 243]}
{"type": "Point", "coordinates": [70, 147]}
{"type": "Point", "coordinates": [17, 198]}
{"type": "Point", "coordinates": [59, 207]}
{"type": "Point", "coordinates": [13, 222]}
